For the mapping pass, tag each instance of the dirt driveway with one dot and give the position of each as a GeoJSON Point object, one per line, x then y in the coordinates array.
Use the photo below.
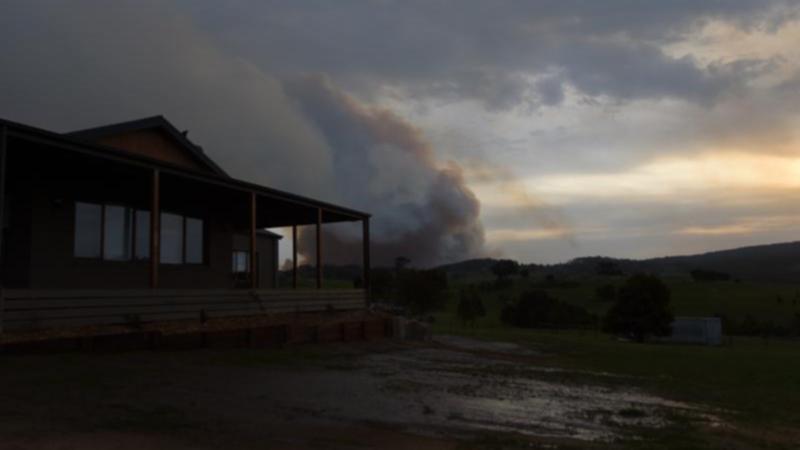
{"type": "Point", "coordinates": [453, 393]}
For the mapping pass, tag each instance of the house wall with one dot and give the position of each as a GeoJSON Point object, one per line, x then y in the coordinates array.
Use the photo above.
{"type": "Point", "coordinates": [16, 236]}
{"type": "Point", "coordinates": [44, 240]}
{"type": "Point", "coordinates": [267, 252]}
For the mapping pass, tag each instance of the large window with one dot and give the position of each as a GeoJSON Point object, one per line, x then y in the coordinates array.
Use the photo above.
{"type": "Point", "coordinates": [88, 230]}
{"type": "Point", "coordinates": [171, 238]}
{"type": "Point", "coordinates": [194, 241]}
{"type": "Point", "coordinates": [142, 247]}
{"type": "Point", "coordinates": [119, 233]}
{"type": "Point", "coordinates": [182, 240]}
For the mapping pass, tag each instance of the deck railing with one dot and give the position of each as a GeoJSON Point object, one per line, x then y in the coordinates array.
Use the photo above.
{"type": "Point", "coordinates": [40, 309]}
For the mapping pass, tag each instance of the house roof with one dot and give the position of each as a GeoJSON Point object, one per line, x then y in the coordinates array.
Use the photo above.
{"type": "Point", "coordinates": [149, 123]}
{"type": "Point", "coordinates": [69, 142]}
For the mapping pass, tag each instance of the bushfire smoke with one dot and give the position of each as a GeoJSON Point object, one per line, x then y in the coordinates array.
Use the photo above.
{"type": "Point", "coordinates": [423, 209]}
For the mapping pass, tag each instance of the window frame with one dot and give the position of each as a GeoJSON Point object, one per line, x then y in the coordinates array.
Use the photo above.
{"type": "Point", "coordinates": [203, 240]}
{"type": "Point", "coordinates": [134, 236]}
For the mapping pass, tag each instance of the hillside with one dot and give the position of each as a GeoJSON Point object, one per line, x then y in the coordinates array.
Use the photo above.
{"type": "Point", "coordinates": [773, 263]}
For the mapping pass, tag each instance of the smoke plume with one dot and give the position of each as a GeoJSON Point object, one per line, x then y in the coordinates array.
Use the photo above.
{"type": "Point", "coordinates": [422, 209]}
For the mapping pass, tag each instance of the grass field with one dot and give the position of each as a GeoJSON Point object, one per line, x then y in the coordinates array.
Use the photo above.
{"type": "Point", "coordinates": [753, 382]}
{"type": "Point", "coordinates": [733, 299]}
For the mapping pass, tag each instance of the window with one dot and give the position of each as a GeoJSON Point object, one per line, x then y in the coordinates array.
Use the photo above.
{"type": "Point", "coordinates": [171, 238]}
{"type": "Point", "coordinates": [182, 240]}
{"type": "Point", "coordinates": [142, 249]}
{"type": "Point", "coordinates": [241, 262]}
{"type": "Point", "coordinates": [117, 233]}
{"type": "Point", "coordinates": [194, 241]}
{"type": "Point", "coordinates": [88, 230]}
{"type": "Point", "coordinates": [120, 233]}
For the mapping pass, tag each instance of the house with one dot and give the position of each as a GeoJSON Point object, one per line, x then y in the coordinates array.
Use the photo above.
{"type": "Point", "coordinates": [134, 220]}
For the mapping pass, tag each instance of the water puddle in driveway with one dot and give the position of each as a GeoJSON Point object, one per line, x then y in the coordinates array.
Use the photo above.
{"type": "Point", "coordinates": [441, 389]}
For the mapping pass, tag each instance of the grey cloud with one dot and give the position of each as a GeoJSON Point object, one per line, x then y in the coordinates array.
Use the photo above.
{"type": "Point", "coordinates": [550, 90]}
{"type": "Point", "coordinates": [490, 51]}
{"type": "Point", "coordinates": [84, 64]}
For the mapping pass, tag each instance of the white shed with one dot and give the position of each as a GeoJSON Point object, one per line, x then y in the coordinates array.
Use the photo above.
{"type": "Point", "coordinates": [696, 330]}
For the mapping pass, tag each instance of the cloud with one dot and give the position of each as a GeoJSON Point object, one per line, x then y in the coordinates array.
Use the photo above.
{"type": "Point", "coordinates": [426, 211]}
{"type": "Point", "coordinates": [493, 53]}
{"type": "Point", "coordinates": [83, 64]}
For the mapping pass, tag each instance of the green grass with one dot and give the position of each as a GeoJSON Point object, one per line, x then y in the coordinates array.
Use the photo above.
{"type": "Point", "coordinates": [689, 298]}
{"type": "Point", "coordinates": [754, 383]}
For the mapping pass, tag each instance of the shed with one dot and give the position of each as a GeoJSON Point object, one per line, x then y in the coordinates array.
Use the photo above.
{"type": "Point", "coordinates": [696, 330]}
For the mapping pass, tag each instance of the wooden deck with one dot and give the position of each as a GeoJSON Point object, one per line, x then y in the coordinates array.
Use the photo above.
{"type": "Point", "coordinates": [41, 309]}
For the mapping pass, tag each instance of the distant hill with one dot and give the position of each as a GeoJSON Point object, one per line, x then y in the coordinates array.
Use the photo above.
{"type": "Point", "coordinates": [470, 266]}
{"type": "Point", "coordinates": [773, 263]}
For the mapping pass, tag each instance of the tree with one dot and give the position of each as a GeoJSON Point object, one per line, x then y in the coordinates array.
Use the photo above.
{"type": "Point", "coordinates": [505, 268]}
{"type": "Point", "coordinates": [608, 267]}
{"type": "Point", "coordinates": [421, 291]}
{"type": "Point", "coordinates": [537, 309]}
{"type": "Point", "coordinates": [642, 309]}
{"type": "Point", "coordinates": [470, 306]}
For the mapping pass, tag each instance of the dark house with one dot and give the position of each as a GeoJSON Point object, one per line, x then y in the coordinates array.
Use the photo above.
{"type": "Point", "coordinates": [134, 220]}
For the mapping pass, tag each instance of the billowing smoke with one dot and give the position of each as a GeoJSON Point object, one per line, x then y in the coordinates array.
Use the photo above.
{"type": "Point", "coordinates": [422, 209]}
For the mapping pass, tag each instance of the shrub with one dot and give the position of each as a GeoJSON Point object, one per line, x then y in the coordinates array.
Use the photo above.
{"type": "Point", "coordinates": [641, 309]}
{"type": "Point", "coordinates": [470, 306]}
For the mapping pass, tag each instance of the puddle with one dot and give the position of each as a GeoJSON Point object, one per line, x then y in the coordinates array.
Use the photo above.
{"type": "Point", "coordinates": [454, 391]}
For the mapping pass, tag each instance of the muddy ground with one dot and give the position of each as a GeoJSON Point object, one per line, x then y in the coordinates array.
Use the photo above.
{"type": "Point", "coordinates": [451, 393]}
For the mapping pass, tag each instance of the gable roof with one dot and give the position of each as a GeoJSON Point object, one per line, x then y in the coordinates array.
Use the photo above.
{"type": "Point", "coordinates": [158, 123]}
{"type": "Point", "coordinates": [331, 212]}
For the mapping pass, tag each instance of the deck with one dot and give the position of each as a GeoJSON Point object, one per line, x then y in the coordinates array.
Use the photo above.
{"type": "Point", "coordinates": [27, 309]}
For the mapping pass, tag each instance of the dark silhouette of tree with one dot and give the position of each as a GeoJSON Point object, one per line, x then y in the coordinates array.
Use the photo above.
{"type": "Point", "coordinates": [421, 291]}
{"type": "Point", "coordinates": [382, 284]}
{"type": "Point", "coordinates": [642, 309]}
{"type": "Point", "coordinates": [470, 306]}
{"type": "Point", "coordinates": [537, 309]}
{"type": "Point", "coordinates": [505, 268]}
{"type": "Point", "coordinates": [608, 267]}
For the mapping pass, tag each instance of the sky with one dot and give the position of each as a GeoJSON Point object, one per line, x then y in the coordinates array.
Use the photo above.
{"type": "Point", "coordinates": [535, 130]}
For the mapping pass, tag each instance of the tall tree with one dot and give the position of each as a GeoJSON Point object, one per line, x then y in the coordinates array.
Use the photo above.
{"type": "Point", "coordinates": [642, 309]}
